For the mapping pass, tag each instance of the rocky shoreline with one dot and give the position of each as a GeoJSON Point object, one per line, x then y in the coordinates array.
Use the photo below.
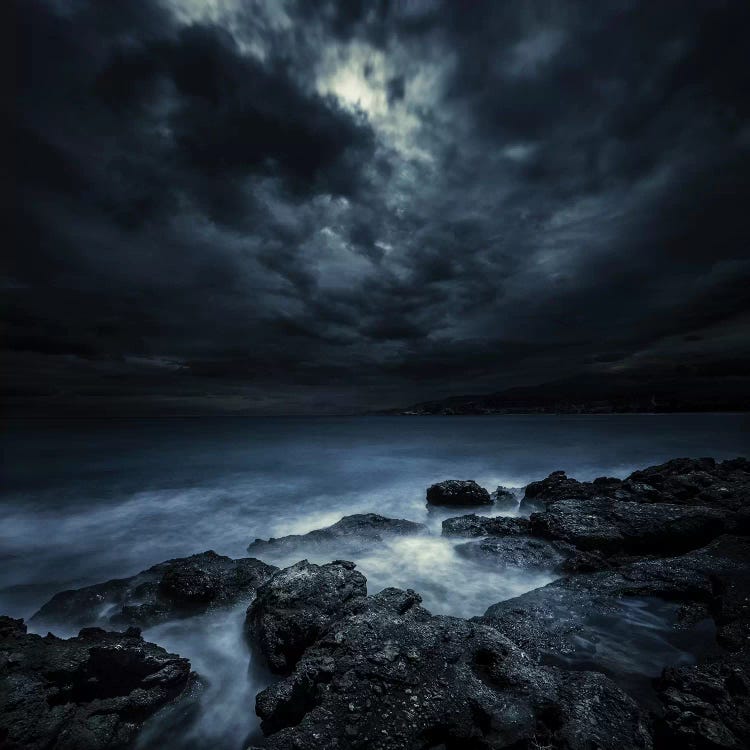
{"type": "Point", "coordinates": [641, 641]}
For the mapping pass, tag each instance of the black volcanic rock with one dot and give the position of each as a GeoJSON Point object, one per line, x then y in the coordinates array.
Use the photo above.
{"type": "Point", "coordinates": [618, 527]}
{"type": "Point", "coordinates": [722, 485]}
{"type": "Point", "coordinates": [388, 675]}
{"type": "Point", "coordinates": [581, 561]}
{"type": "Point", "coordinates": [473, 525]}
{"type": "Point", "coordinates": [559, 486]}
{"type": "Point", "coordinates": [177, 588]}
{"type": "Point", "coordinates": [84, 693]}
{"type": "Point", "coordinates": [694, 481]}
{"type": "Point", "coordinates": [518, 551]}
{"type": "Point", "coordinates": [601, 658]}
{"type": "Point", "coordinates": [458, 492]}
{"type": "Point", "coordinates": [599, 532]}
{"type": "Point", "coordinates": [350, 535]}
{"type": "Point", "coordinates": [706, 705]}
{"type": "Point", "coordinates": [296, 604]}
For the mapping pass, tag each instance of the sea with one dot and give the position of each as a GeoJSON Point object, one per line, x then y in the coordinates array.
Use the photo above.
{"type": "Point", "coordinates": [84, 501]}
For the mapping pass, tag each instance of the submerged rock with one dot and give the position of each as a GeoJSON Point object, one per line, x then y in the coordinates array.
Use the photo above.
{"type": "Point", "coordinates": [295, 606]}
{"type": "Point", "coordinates": [352, 534]}
{"type": "Point", "coordinates": [92, 691]}
{"type": "Point", "coordinates": [596, 618]}
{"type": "Point", "coordinates": [177, 588]}
{"type": "Point", "coordinates": [458, 492]}
{"type": "Point", "coordinates": [474, 526]}
{"type": "Point", "coordinates": [388, 674]}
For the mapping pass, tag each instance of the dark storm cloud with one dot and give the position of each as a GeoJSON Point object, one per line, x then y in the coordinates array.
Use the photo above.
{"type": "Point", "coordinates": [260, 207]}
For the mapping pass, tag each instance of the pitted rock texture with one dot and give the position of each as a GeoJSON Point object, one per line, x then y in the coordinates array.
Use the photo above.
{"type": "Point", "coordinates": [519, 552]}
{"type": "Point", "coordinates": [722, 485]}
{"type": "Point", "coordinates": [388, 675]}
{"type": "Point", "coordinates": [561, 618]}
{"type": "Point", "coordinates": [90, 692]}
{"type": "Point", "coordinates": [476, 526]}
{"type": "Point", "coordinates": [458, 492]}
{"type": "Point", "coordinates": [701, 481]}
{"type": "Point", "coordinates": [706, 705]}
{"type": "Point", "coordinates": [296, 605]}
{"type": "Point", "coordinates": [559, 486]}
{"type": "Point", "coordinates": [700, 599]}
{"type": "Point", "coordinates": [177, 588]}
{"type": "Point", "coordinates": [623, 527]}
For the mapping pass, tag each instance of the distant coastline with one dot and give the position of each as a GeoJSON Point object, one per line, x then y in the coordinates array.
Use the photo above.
{"type": "Point", "coordinates": [595, 395]}
{"type": "Point", "coordinates": [546, 412]}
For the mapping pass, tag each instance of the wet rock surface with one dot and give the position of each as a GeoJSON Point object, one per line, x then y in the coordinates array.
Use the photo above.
{"type": "Point", "coordinates": [625, 527]}
{"type": "Point", "coordinates": [84, 693]}
{"type": "Point", "coordinates": [176, 588]}
{"type": "Point", "coordinates": [647, 654]}
{"type": "Point", "coordinates": [388, 674]}
{"type": "Point", "coordinates": [637, 619]}
{"type": "Point", "coordinates": [643, 645]}
{"type": "Point", "coordinates": [722, 485]}
{"type": "Point", "coordinates": [475, 526]}
{"type": "Point", "coordinates": [518, 551]}
{"type": "Point", "coordinates": [700, 481]}
{"type": "Point", "coordinates": [609, 522]}
{"type": "Point", "coordinates": [642, 642]}
{"type": "Point", "coordinates": [706, 705]}
{"type": "Point", "coordinates": [352, 534]}
{"type": "Point", "coordinates": [558, 486]}
{"type": "Point", "coordinates": [458, 492]}
{"type": "Point", "coordinates": [296, 605]}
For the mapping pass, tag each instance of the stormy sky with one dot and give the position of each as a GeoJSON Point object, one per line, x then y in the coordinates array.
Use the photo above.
{"type": "Point", "coordinates": [316, 207]}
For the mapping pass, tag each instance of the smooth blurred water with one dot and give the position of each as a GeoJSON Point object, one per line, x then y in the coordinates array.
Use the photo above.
{"type": "Point", "coordinates": [85, 501]}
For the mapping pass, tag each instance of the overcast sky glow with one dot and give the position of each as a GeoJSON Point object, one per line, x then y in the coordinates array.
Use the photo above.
{"type": "Point", "coordinates": [286, 207]}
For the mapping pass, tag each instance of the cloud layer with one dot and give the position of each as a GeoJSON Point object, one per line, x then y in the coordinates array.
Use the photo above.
{"type": "Point", "coordinates": [321, 207]}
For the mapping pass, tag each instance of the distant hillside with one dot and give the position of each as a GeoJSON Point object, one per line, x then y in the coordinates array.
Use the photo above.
{"type": "Point", "coordinates": [598, 394]}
